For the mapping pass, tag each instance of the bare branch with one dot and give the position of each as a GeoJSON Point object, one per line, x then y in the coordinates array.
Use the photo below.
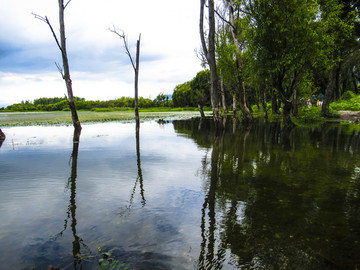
{"type": "Point", "coordinates": [67, 4]}
{"type": "Point", "coordinates": [224, 20]}
{"type": "Point", "coordinates": [46, 20]}
{"type": "Point", "coordinates": [124, 38]}
{"type": "Point", "coordinates": [60, 69]}
{"type": "Point", "coordinates": [41, 18]}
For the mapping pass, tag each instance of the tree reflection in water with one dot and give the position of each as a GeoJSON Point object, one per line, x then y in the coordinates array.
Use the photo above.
{"type": "Point", "coordinates": [71, 213]}
{"type": "Point", "coordinates": [139, 179]}
{"type": "Point", "coordinates": [2, 137]}
{"type": "Point", "coordinates": [279, 199]}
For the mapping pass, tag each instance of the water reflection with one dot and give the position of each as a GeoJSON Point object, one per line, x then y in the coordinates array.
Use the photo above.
{"type": "Point", "coordinates": [279, 199]}
{"type": "Point", "coordinates": [2, 137]}
{"type": "Point", "coordinates": [71, 212]}
{"type": "Point", "coordinates": [139, 179]}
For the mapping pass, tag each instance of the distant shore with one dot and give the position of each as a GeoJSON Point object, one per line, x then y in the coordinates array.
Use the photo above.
{"type": "Point", "coordinates": [64, 118]}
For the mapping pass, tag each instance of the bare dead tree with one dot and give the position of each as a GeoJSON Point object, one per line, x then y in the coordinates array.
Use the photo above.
{"type": "Point", "coordinates": [64, 70]}
{"type": "Point", "coordinates": [135, 66]}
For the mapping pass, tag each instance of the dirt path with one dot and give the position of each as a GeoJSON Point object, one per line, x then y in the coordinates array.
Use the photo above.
{"type": "Point", "coordinates": [352, 116]}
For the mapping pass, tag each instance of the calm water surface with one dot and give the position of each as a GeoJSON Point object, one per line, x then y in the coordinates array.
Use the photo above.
{"type": "Point", "coordinates": [181, 195]}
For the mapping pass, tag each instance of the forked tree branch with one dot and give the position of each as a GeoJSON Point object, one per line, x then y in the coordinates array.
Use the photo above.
{"type": "Point", "coordinates": [46, 20]}
{"type": "Point", "coordinates": [124, 38]}
{"type": "Point", "coordinates": [60, 69]}
{"type": "Point", "coordinates": [67, 4]}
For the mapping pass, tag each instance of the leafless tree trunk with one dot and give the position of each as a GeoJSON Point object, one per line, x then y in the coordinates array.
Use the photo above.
{"type": "Point", "coordinates": [65, 70]}
{"type": "Point", "coordinates": [135, 67]}
{"type": "Point", "coordinates": [209, 52]}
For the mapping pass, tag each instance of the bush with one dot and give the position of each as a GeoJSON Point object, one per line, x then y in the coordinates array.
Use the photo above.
{"type": "Point", "coordinates": [348, 95]}
{"type": "Point", "coordinates": [310, 115]}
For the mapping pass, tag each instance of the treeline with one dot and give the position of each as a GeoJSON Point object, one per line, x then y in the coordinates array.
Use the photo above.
{"type": "Point", "coordinates": [61, 104]}
{"type": "Point", "coordinates": [279, 52]}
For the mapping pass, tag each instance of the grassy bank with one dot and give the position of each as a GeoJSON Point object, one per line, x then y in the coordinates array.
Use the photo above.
{"type": "Point", "coordinates": [64, 118]}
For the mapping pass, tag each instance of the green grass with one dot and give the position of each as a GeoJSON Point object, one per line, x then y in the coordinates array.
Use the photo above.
{"type": "Point", "coordinates": [64, 118]}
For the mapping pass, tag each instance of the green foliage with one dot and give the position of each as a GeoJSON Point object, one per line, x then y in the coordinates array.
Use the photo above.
{"type": "Point", "coordinates": [182, 95]}
{"type": "Point", "coordinates": [348, 95]}
{"type": "Point", "coordinates": [162, 100]}
{"type": "Point", "coordinates": [200, 89]}
{"type": "Point", "coordinates": [309, 115]}
{"type": "Point", "coordinates": [61, 104]}
{"type": "Point", "coordinates": [348, 102]}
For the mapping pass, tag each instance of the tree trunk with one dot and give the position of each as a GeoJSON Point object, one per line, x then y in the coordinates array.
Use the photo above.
{"type": "Point", "coordinates": [329, 91]}
{"type": "Point", "coordinates": [66, 75]}
{"type": "Point", "coordinates": [223, 98]}
{"type": "Point", "coordinates": [263, 104]}
{"type": "Point", "coordinates": [234, 104]}
{"type": "Point", "coordinates": [212, 62]}
{"type": "Point", "coordinates": [354, 81]}
{"type": "Point", "coordinates": [210, 56]}
{"type": "Point", "coordinates": [201, 110]}
{"type": "Point", "coordinates": [288, 123]}
{"type": "Point", "coordinates": [243, 103]}
{"type": "Point", "coordinates": [274, 106]}
{"type": "Point", "coordinates": [137, 84]}
{"type": "Point", "coordinates": [294, 103]}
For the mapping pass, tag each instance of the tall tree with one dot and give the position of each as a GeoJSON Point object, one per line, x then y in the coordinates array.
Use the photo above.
{"type": "Point", "coordinates": [284, 40]}
{"type": "Point", "coordinates": [209, 52]}
{"type": "Point", "coordinates": [135, 66]}
{"type": "Point", "coordinates": [64, 70]}
{"type": "Point", "coordinates": [234, 29]}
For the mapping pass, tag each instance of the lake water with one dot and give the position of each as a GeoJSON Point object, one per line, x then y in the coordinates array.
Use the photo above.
{"type": "Point", "coordinates": [181, 195]}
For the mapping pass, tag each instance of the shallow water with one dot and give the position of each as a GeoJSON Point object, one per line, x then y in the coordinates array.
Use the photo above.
{"type": "Point", "coordinates": [182, 196]}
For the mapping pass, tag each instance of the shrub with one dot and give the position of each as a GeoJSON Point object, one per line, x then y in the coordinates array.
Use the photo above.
{"type": "Point", "coordinates": [348, 95]}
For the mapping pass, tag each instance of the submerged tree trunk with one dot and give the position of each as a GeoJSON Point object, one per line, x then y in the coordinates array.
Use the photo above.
{"type": "Point", "coordinates": [285, 95]}
{"type": "Point", "coordinates": [137, 84]}
{"type": "Point", "coordinates": [66, 75]}
{"type": "Point", "coordinates": [288, 123]}
{"type": "Point", "coordinates": [201, 110]}
{"type": "Point", "coordinates": [2, 137]}
{"type": "Point", "coordinates": [64, 70]}
{"type": "Point", "coordinates": [210, 56]}
{"type": "Point", "coordinates": [135, 67]}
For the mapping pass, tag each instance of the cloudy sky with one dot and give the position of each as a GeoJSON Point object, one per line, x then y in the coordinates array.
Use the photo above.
{"type": "Point", "coordinates": [100, 69]}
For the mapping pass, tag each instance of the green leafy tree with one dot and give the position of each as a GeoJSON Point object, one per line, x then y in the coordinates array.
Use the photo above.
{"type": "Point", "coordinates": [182, 95]}
{"type": "Point", "coordinates": [200, 90]}
{"type": "Point", "coordinates": [283, 38]}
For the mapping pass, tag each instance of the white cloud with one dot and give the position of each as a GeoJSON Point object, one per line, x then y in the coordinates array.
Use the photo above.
{"type": "Point", "coordinates": [100, 68]}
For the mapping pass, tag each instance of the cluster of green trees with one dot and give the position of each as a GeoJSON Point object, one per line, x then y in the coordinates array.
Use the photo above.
{"type": "Point", "coordinates": [281, 51]}
{"type": "Point", "coordinates": [62, 104]}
